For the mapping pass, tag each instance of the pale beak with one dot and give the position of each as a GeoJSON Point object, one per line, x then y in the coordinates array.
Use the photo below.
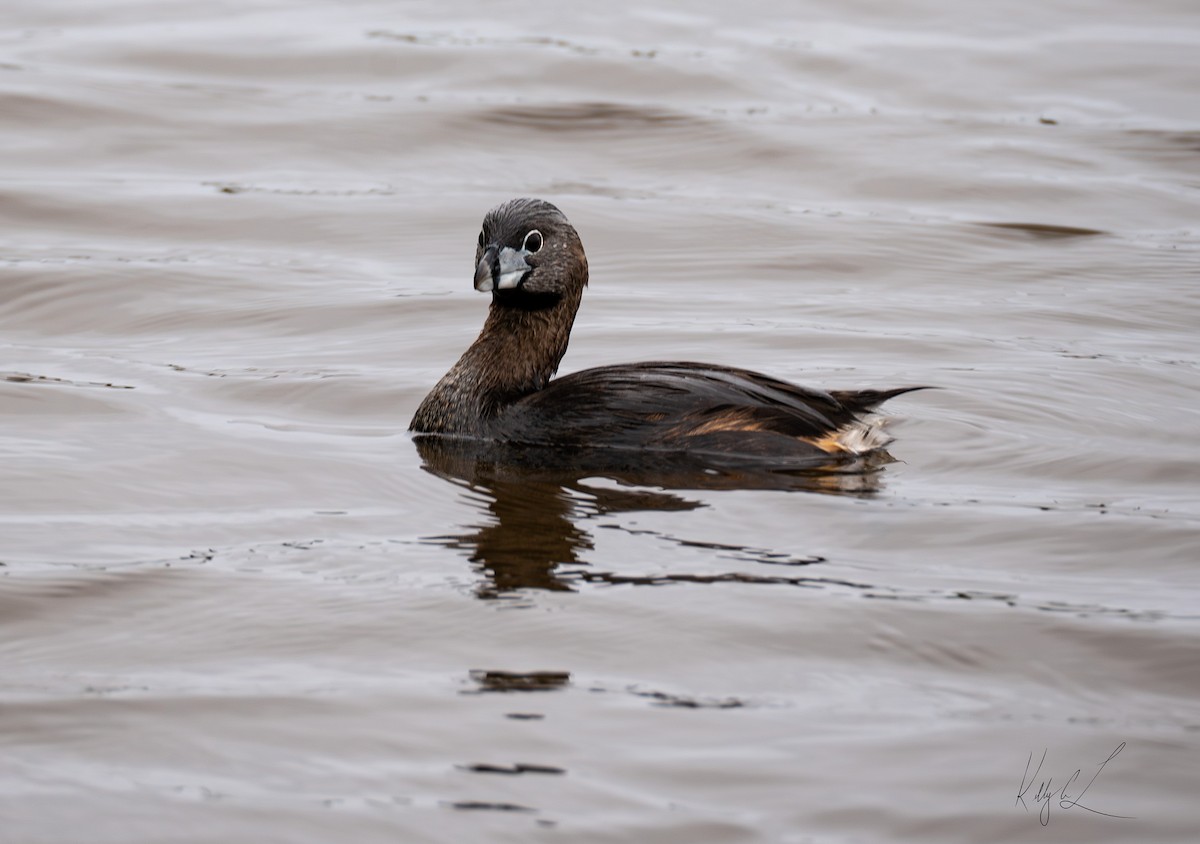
{"type": "Point", "coordinates": [501, 269]}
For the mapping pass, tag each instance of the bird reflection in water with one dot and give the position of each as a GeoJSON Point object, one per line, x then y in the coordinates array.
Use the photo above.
{"type": "Point", "coordinates": [537, 501]}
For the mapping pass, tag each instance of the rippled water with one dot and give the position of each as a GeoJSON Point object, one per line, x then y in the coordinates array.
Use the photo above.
{"type": "Point", "coordinates": [235, 252]}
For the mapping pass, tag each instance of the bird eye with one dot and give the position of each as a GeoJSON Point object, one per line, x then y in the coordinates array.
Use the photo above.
{"type": "Point", "coordinates": [533, 241]}
{"type": "Point", "coordinates": [481, 238]}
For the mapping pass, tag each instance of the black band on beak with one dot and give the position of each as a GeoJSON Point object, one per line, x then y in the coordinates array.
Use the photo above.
{"type": "Point", "coordinates": [488, 269]}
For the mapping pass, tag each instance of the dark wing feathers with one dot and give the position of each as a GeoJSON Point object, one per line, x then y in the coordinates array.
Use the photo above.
{"type": "Point", "coordinates": [680, 405]}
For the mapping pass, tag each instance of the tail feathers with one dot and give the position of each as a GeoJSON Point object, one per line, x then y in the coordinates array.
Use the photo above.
{"type": "Point", "coordinates": [865, 432]}
{"type": "Point", "coordinates": [858, 401]}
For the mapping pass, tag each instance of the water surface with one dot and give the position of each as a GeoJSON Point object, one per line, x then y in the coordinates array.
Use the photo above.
{"type": "Point", "coordinates": [235, 252]}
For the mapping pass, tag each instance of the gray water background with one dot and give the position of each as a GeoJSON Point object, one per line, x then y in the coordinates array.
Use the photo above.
{"type": "Point", "coordinates": [236, 250]}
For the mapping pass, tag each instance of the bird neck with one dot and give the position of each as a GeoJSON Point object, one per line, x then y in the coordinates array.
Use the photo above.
{"type": "Point", "coordinates": [516, 353]}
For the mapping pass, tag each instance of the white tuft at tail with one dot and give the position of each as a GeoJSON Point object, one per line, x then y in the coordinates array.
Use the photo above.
{"type": "Point", "coordinates": [861, 436]}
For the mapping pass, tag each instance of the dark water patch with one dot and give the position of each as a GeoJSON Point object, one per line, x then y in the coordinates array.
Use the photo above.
{"type": "Point", "coordinates": [1086, 610]}
{"type": "Point", "coordinates": [560, 44]}
{"type": "Point", "coordinates": [27, 378]}
{"type": "Point", "coordinates": [518, 681]}
{"type": "Point", "coordinates": [885, 592]}
{"type": "Point", "coordinates": [1079, 609]}
{"type": "Point", "coordinates": [485, 806]}
{"type": "Point", "coordinates": [591, 117]}
{"type": "Point", "coordinates": [1047, 231]}
{"type": "Point", "coordinates": [774, 558]}
{"type": "Point", "coordinates": [1180, 146]}
{"type": "Point", "coordinates": [676, 701]}
{"type": "Point", "coordinates": [513, 770]}
{"type": "Point", "coordinates": [978, 595]}
{"type": "Point", "coordinates": [199, 557]}
{"type": "Point", "coordinates": [613, 579]}
{"type": "Point", "coordinates": [429, 39]}
{"type": "Point", "coordinates": [731, 551]}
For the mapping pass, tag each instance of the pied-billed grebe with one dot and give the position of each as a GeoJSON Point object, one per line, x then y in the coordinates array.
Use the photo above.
{"type": "Point", "coordinates": [530, 259]}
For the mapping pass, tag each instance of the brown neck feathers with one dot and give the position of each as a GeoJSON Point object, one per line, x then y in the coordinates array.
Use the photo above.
{"type": "Point", "coordinates": [517, 353]}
